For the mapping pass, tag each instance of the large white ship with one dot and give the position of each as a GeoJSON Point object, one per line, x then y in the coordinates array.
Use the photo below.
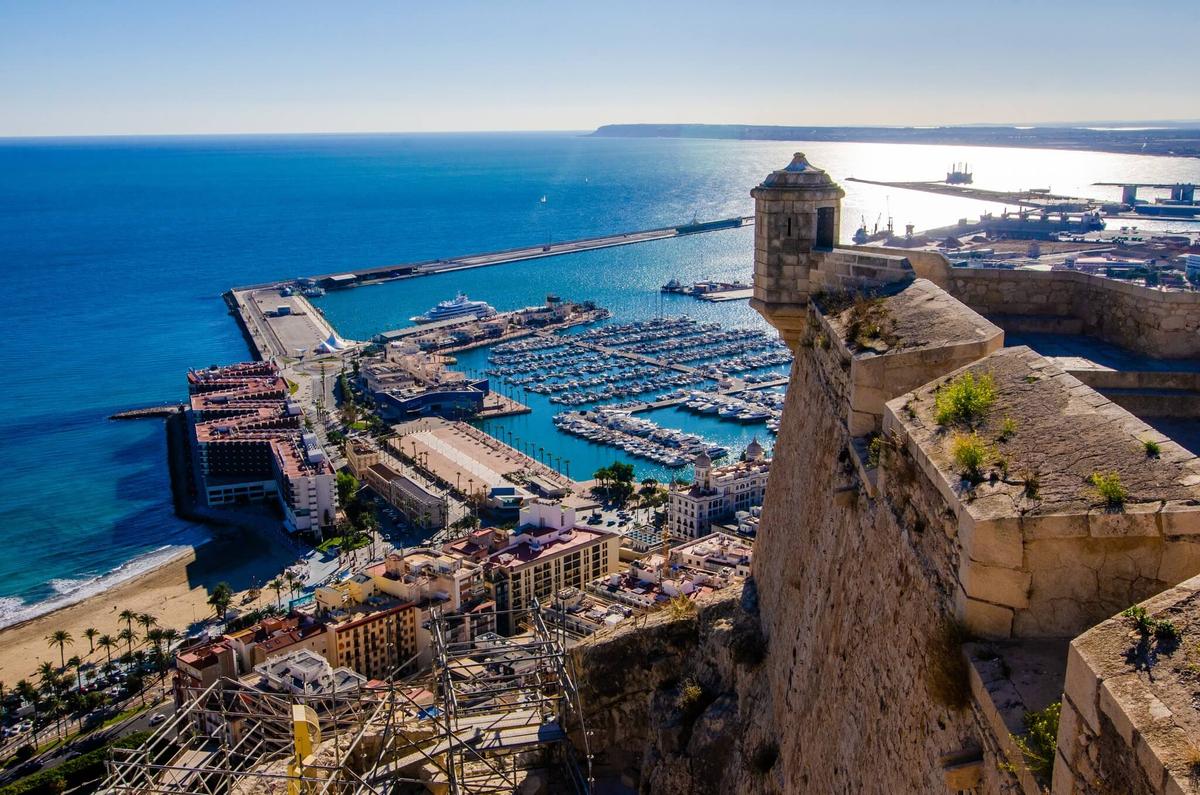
{"type": "Point", "coordinates": [459, 307]}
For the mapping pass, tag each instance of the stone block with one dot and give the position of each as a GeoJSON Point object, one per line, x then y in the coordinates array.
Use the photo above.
{"type": "Point", "coordinates": [1082, 686]}
{"type": "Point", "coordinates": [1008, 587]}
{"type": "Point", "coordinates": [1064, 777]}
{"type": "Point", "coordinates": [1180, 561]}
{"type": "Point", "coordinates": [985, 620]}
{"type": "Point", "coordinates": [867, 399]}
{"type": "Point", "coordinates": [862, 423]}
{"type": "Point", "coordinates": [1068, 732]}
{"type": "Point", "coordinates": [994, 542]}
{"type": "Point", "coordinates": [1114, 702]}
{"type": "Point", "coordinates": [1151, 765]}
{"type": "Point", "coordinates": [1180, 519]}
{"type": "Point", "coordinates": [1059, 525]}
{"type": "Point", "coordinates": [1135, 519]}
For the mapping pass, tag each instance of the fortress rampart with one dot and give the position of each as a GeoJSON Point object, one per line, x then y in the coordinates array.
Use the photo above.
{"type": "Point", "coordinates": [914, 606]}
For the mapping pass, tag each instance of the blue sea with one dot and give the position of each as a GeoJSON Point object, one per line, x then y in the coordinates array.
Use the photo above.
{"type": "Point", "coordinates": [115, 253]}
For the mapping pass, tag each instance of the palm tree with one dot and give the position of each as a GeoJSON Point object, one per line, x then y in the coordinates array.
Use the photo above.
{"type": "Point", "coordinates": [146, 621]}
{"type": "Point", "coordinates": [108, 643]}
{"type": "Point", "coordinates": [293, 582]}
{"type": "Point", "coordinates": [48, 676]}
{"type": "Point", "coordinates": [139, 662]}
{"type": "Point", "coordinates": [128, 617]}
{"type": "Point", "coordinates": [91, 634]}
{"type": "Point", "coordinates": [60, 638]}
{"type": "Point", "coordinates": [169, 637]}
{"type": "Point", "coordinates": [129, 636]}
{"type": "Point", "coordinates": [155, 637]}
{"type": "Point", "coordinates": [77, 663]}
{"type": "Point", "coordinates": [29, 693]}
{"type": "Point", "coordinates": [276, 585]}
{"type": "Point", "coordinates": [54, 705]}
{"type": "Point", "coordinates": [220, 597]}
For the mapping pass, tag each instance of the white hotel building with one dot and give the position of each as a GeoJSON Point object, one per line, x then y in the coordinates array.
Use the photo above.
{"type": "Point", "coordinates": [718, 492]}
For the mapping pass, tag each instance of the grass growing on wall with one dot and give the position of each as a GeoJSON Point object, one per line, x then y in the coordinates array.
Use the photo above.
{"type": "Point", "coordinates": [1038, 742]}
{"type": "Point", "coordinates": [965, 400]}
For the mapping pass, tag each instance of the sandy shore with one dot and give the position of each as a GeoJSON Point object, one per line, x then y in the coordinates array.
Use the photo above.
{"type": "Point", "coordinates": [176, 593]}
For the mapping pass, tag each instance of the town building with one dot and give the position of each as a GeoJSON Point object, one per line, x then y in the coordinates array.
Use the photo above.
{"type": "Point", "coordinates": [306, 673]}
{"type": "Point", "coordinates": [583, 613]}
{"type": "Point", "coordinates": [421, 503]}
{"type": "Point", "coordinates": [651, 583]}
{"type": "Point", "coordinates": [248, 444]}
{"type": "Point", "coordinates": [200, 665]}
{"type": "Point", "coordinates": [434, 580]}
{"type": "Point", "coordinates": [548, 551]}
{"type": "Point", "coordinates": [718, 493]}
{"type": "Point", "coordinates": [377, 637]}
{"type": "Point", "coordinates": [718, 553]}
{"type": "Point", "coordinates": [408, 383]}
{"type": "Point", "coordinates": [275, 636]}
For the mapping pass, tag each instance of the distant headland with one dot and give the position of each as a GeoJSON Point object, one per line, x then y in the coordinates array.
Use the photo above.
{"type": "Point", "coordinates": [1160, 138]}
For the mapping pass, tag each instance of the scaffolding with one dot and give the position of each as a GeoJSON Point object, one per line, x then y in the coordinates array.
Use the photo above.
{"type": "Point", "coordinates": [491, 714]}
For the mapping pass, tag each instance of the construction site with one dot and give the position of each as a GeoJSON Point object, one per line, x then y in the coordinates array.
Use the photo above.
{"type": "Point", "coordinates": [493, 714]}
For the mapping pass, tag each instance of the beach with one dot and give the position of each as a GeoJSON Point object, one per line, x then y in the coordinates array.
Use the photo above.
{"type": "Point", "coordinates": [176, 593]}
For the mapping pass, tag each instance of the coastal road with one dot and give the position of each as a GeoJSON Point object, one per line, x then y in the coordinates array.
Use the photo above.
{"type": "Point", "coordinates": [135, 723]}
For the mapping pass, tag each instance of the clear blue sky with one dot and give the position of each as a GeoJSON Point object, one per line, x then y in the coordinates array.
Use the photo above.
{"type": "Point", "coordinates": [201, 66]}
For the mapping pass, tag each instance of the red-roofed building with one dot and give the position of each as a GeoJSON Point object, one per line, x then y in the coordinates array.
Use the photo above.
{"type": "Point", "coordinates": [543, 555]}
{"type": "Point", "coordinates": [249, 444]}
{"type": "Point", "coordinates": [201, 665]}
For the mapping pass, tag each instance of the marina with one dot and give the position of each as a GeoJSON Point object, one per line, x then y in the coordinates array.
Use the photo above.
{"type": "Point", "coordinates": [630, 360]}
{"type": "Point", "coordinates": [638, 437]}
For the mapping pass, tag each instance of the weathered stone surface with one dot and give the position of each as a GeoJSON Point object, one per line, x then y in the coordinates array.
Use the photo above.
{"type": "Point", "coordinates": [997, 585]}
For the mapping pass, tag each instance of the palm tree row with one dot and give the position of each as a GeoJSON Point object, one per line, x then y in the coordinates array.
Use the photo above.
{"type": "Point", "coordinates": [54, 694]}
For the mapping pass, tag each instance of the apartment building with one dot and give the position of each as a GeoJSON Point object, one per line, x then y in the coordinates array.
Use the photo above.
{"type": "Point", "coordinates": [248, 444]}
{"type": "Point", "coordinates": [546, 553]}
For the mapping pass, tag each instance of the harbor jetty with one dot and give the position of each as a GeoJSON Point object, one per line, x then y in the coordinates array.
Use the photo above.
{"type": "Point", "coordinates": [148, 412]}
{"type": "Point", "coordinates": [382, 273]}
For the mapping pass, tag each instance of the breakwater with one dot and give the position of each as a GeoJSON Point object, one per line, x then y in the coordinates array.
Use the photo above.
{"type": "Point", "coordinates": [380, 273]}
{"type": "Point", "coordinates": [149, 412]}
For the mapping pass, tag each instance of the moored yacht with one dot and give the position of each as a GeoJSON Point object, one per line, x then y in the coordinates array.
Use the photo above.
{"type": "Point", "coordinates": [458, 307]}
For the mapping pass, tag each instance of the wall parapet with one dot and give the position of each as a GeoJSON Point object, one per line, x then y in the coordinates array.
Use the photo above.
{"type": "Point", "coordinates": [1129, 717]}
{"type": "Point", "coordinates": [1159, 323]}
{"type": "Point", "coordinates": [1041, 553]}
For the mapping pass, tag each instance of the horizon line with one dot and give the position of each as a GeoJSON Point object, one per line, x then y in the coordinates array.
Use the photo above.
{"type": "Point", "coordinates": [1118, 124]}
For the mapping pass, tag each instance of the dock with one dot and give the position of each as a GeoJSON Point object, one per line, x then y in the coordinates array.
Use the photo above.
{"type": "Point", "coordinates": [280, 326]}
{"type": "Point", "coordinates": [1025, 198]}
{"type": "Point", "coordinates": [730, 392]}
{"type": "Point", "coordinates": [728, 295]}
{"type": "Point", "coordinates": [149, 412]}
{"type": "Point", "coordinates": [737, 385]}
{"type": "Point", "coordinates": [381, 273]}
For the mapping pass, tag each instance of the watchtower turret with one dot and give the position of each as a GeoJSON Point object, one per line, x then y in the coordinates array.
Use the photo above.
{"type": "Point", "coordinates": [797, 215]}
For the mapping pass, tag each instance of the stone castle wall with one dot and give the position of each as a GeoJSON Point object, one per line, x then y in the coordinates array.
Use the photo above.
{"type": "Point", "coordinates": [1156, 323]}
{"type": "Point", "coordinates": [853, 602]}
{"type": "Point", "coordinates": [1128, 719]}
